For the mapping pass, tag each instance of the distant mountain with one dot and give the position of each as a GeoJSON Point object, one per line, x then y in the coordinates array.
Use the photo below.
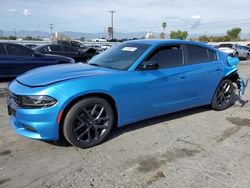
{"type": "Point", "coordinates": [75, 35]}
{"type": "Point", "coordinates": [119, 35]}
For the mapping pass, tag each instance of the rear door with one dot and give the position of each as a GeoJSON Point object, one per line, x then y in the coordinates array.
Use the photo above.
{"type": "Point", "coordinates": [25, 59]}
{"type": "Point", "coordinates": [18, 53]}
{"type": "Point", "coordinates": [205, 72]}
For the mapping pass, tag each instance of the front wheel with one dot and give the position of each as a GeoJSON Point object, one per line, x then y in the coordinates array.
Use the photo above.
{"type": "Point", "coordinates": [224, 95]}
{"type": "Point", "coordinates": [88, 122]}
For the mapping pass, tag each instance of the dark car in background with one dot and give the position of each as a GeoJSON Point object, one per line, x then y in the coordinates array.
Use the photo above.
{"type": "Point", "coordinates": [16, 59]}
{"type": "Point", "coordinates": [65, 50]}
{"type": "Point", "coordinates": [32, 46]}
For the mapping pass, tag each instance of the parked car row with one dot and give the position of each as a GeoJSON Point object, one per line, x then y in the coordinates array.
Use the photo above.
{"type": "Point", "coordinates": [16, 59]}
{"type": "Point", "coordinates": [78, 55]}
{"type": "Point", "coordinates": [235, 50]}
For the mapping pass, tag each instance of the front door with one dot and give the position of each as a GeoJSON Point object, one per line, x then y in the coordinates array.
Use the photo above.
{"type": "Point", "coordinates": [163, 90]}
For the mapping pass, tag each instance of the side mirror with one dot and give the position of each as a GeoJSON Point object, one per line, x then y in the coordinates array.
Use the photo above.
{"type": "Point", "coordinates": [149, 65]}
{"type": "Point", "coordinates": [233, 61]}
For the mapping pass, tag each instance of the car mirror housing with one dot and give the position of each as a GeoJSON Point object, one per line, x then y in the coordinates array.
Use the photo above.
{"type": "Point", "coordinates": [149, 65]}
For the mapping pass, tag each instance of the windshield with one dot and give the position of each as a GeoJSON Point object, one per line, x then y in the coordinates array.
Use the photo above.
{"type": "Point", "coordinates": [120, 56]}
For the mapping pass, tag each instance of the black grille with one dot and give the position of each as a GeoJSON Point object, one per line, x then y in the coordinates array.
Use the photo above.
{"type": "Point", "coordinates": [15, 98]}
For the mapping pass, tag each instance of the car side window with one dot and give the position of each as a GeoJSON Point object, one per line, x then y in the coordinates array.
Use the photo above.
{"type": "Point", "coordinates": [54, 48]}
{"type": "Point", "coordinates": [167, 56]}
{"type": "Point", "coordinates": [19, 50]}
{"type": "Point", "coordinates": [212, 55]}
{"type": "Point", "coordinates": [68, 49]}
{"type": "Point", "coordinates": [198, 54]}
{"type": "Point", "coordinates": [2, 50]}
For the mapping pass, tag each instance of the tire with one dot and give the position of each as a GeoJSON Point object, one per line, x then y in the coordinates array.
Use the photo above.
{"type": "Point", "coordinates": [224, 95]}
{"type": "Point", "coordinates": [89, 122]}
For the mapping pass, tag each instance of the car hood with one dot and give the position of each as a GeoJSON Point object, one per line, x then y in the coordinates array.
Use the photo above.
{"type": "Point", "coordinates": [56, 73]}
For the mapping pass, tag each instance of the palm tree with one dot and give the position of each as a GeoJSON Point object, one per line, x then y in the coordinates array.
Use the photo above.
{"type": "Point", "coordinates": [164, 25]}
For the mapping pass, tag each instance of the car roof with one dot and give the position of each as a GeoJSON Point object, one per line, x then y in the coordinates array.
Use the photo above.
{"type": "Point", "coordinates": [156, 42]}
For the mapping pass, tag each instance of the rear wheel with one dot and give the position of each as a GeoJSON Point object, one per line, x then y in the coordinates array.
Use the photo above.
{"type": "Point", "coordinates": [224, 95]}
{"type": "Point", "coordinates": [88, 122]}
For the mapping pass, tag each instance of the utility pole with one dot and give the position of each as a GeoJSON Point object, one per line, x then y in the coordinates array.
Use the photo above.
{"type": "Point", "coordinates": [15, 33]}
{"type": "Point", "coordinates": [51, 26]}
{"type": "Point", "coordinates": [112, 23]}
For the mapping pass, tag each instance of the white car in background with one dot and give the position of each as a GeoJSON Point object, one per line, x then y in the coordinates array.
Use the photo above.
{"type": "Point", "coordinates": [235, 50]}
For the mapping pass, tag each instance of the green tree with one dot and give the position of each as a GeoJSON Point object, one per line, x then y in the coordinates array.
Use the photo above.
{"type": "Point", "coordinates": [11, 37]}
{"type": "Point", "coordinates": [234, 33]}
{"type": "Point", "coordinates": [179, 34]}
{"type": "Point", "coordinates": [224, 38]}
{"type": "Point", "coordinates": [204, 38]}
{"type": "Point", "coordinates": [162, 35]}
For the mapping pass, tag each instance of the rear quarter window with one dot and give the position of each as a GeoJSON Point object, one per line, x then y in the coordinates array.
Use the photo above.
{"type": "Point", "coordinates": [198, 54]}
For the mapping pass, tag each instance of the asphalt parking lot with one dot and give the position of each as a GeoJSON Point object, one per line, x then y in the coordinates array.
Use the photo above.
{"type": "Point", "coordinates": [194, 148]}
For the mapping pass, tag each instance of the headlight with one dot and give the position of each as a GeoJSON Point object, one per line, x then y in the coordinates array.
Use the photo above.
{"type": "Point", "coordinates": [38, 101]}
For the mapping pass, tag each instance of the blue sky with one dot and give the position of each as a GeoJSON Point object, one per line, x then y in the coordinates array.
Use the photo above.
{"type": "Point", "coordinates": [196, 16]}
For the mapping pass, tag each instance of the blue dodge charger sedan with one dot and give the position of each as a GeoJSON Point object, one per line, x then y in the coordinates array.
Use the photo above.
{"type": "Point", "coordinates": [131, 81]}
{"type": "Point", "coordinates": [15, 59]}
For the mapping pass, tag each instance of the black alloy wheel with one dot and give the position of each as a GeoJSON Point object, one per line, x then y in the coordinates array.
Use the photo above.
{"type": "Point", "coordinates": [224, 95]}
{"type": "Point", "coordinates": [88, 122]}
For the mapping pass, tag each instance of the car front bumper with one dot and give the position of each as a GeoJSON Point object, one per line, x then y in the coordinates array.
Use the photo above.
{"type": "Point", "coordinates": [38, 123]}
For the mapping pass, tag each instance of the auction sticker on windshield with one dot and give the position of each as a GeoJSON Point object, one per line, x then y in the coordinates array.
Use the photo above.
{"type": "Point", "coordinates": [129, 49]}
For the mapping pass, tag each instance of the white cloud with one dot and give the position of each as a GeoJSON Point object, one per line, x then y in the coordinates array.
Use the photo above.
{"type": "Point", "coordinates": [130, 16]}
{"type": "Point", "coordinates": [12, 10]}
{"type": "Point", "coordinates": [196, 21]}
{"type": "Point", "coordinates": [26, 12]}
{"type": "Point", "coordinates": [196, 17]}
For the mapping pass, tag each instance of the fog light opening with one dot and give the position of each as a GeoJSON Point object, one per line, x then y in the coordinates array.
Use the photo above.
{"type": "Point", "coordinates": [29, 128]}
